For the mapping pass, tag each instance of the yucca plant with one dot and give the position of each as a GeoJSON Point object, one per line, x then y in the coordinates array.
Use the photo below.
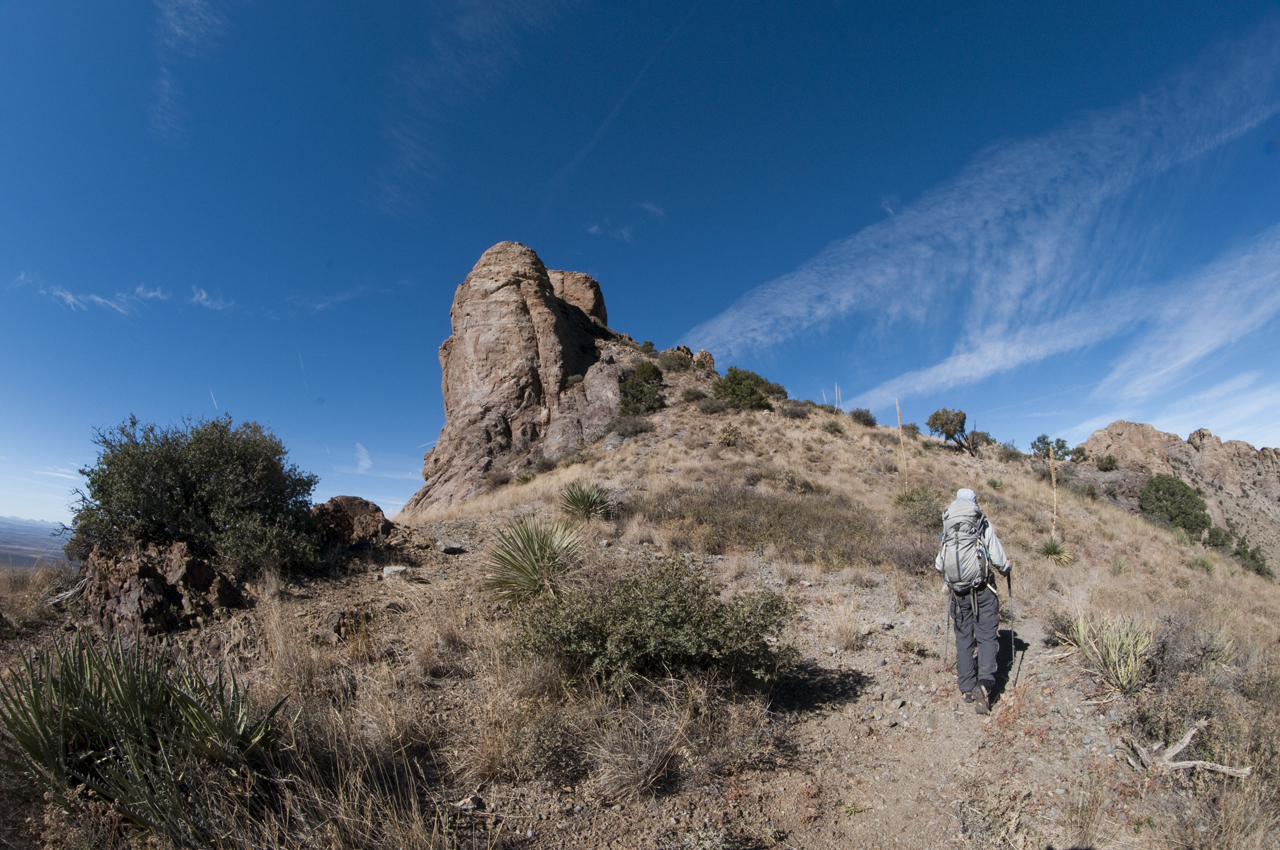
{"type": "Point", "coordinates": [586, 500]}
{"type": "Point", "coordinates": [529, 558]}
{"type": "Point", "coordinates": [134, 729]}
{"type": "Point", "coordinates": [1117, 649]}
{"type": "Point", "coordinates": [1055, 550]}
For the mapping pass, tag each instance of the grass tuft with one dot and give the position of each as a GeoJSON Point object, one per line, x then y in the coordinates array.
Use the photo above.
{"type": "Point", "coordinates": [1057, 552]}
{"type": "Point", "coordinates": [587, 500]}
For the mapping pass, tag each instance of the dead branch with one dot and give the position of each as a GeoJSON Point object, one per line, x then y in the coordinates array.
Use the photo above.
{"type": "Point", "coordinates": [1159, 760]}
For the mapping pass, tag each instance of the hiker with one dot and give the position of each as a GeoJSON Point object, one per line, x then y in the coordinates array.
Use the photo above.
{"type": "Point", "coordinates": [969, 550]}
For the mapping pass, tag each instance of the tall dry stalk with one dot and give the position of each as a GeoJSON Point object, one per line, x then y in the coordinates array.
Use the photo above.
{"type": "Point", "coordinates": [902, 446]}
{"type": "Point", "coordinates": [1053, 474]}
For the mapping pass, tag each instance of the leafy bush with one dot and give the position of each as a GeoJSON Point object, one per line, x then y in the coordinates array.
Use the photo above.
{"type": "Point", "coordinates": [975, 441]}
{"type": "Point", "coordinates": [642, 390]}
{"type": "Point", "coordinates": [912, 430]}
{"type": "Point", "coordinates": [691, 394]}
{"type": "Point", "coordinates": [630, 426]}
{"type": "Point", "coordinates": [1252, 559]}
{"type": "Point", "coordinates": [1108, 463]}
{"type": "Point", "coordinates": [586, 500]}
{"type": "Point", "coordinates": [743, 389]}
{"type": "Point", "coordinates": [1219, 538]}
{"type": "Point", "coordinates": [921, 507]}
{"type": "Point", "coordinates": [228, 493]}
{"type": "Point", "coordinates": [529, 558]}
{"type": "Point", "coordinates": [994, 483]}
{"type": "Point", "coordinates": [647, 346]}
{"type": "Point", "coordinates": [863, 417]}
{"type": "Point", "coordinates": [1040, 447]}
{"type": "Point", "coordinates": [793, 409]}
{"type": "Point", "coordinates": [712, 406]}
{"type": "Point", "coordinates": [729, 436]}
{"type": "Point", "coordinates": [136, 729]}
{"type": "Point", "coordinates": [1170, 499]}
{"type": "Point", "coordinates": [831, 426]}
{"type": "Point", "coordinates": [666, 619]}
{"type": "Point", "coordinates": [1008, 452]}
{"type": "Point", "coordinates": [675, 362]}
{"type": "Point", "coordinates": [948, 424]}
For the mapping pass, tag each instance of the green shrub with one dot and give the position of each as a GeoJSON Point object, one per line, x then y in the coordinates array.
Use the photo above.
{"type": "Point", "coordinates": [630, 426]}
{"type": "Point", "coordinates": [863, 417]}
{"type": "Point", "coordinates": [975, 441]}
{"type": "Point", "coordinates": [647, 347]}
{"type": "Point", "coordinates": [743, 389]}
{"type": "Point", "coordinates": [948, 424]}
{"type": "Point", "coordinates": [712, 406]}
{"type": "Point", "coordinates": [1202, 564]}
{"type": "Point", "coordinates": [529, 558]}
{"type": "Point", "coordinates": [831, 426]}
{"type": "Point", "coordinates": [137, 729]}
{"type": "Point", "coordinates": [1108, 463]}
{"type": "Point", "coordinates": [921, 507]}
{"type": "Point", "coordinates": [664, 620]}
{"type": "Point", "coordinates": [228, 493]}
{"type": "Point", "coordinates": [673, 361]}
{"type": "Point", "coordinates": [1040, 447]}
{"type": "Point", "coordinates": [911, 430]}
{"type": "Point", "coordinates": [1252, 559]}
{"type": "Point", "coordinates": [691, 394]}
{"type": "Point", "coordinates": [994, 483]}
{"type": "Point", "coordinates": [1169, 499]}
{"type": "Point", "coordinates": [1008, 452]}
{"type": "Point", "coordinates": [642, 390]}
{"type": "Point", "coordinates": [586, 500]}
{"type": "Point", "coordinates": [793, 409]}
{"type": "Point", "coordinates": [1219, 538]}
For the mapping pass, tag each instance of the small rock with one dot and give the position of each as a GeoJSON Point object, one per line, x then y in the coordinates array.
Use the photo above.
{"type": "Point", "coordinates": [931, 720]}
{"type": "Point", "coordinates": [866, 730]}
{"type": "Point", "coordinates": [606, 543]}
{"type": "Point", "coordinates": [1088, 739]}
{"type": "Point", "coordinates": [899, 703]}
{"type": "Point", "coordinates": [882, 662]}
{"type": "Point", "coordinates": [448, 548]}
{"type": "Point", "coordinates": [396, 572]}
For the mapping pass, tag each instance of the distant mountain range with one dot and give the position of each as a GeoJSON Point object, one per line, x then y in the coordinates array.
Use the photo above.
{"type": "Point", "coordinates": [27, 542]}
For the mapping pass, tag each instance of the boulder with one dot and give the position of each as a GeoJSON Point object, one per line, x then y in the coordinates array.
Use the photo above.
{"type": "Point", "coordinates": [704, 360]}
{"type": "Point", "coordinates": [349, 522]}
{"type": "Point", "coordinates": [155, 590]}
{"type": "Point", "coordinates": [529, 366]}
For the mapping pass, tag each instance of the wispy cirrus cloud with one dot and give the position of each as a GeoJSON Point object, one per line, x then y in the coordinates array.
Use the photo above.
{"type": "Point", "coordinates": [57, 473]}
{"type": "Point", "coordinates": [124, 303]}
{"type": "Point", "coordinates": [468, 48]}
{"type": "Point", "coordinates": [1034, 238]}
{"type": "Point", "coordinates": [202, 298]}
{"type": "Point", "coordinates": [185, 29]}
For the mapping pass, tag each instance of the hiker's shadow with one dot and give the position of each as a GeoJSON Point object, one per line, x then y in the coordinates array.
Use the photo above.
{"type": "Point", "coordinates": [1012, 649]}
{"type": "Point", "coordinates": [806, 686]}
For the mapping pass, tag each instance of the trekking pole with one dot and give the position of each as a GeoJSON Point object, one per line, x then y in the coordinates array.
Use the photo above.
{"type": "Point", "coordinates": [1013, 630]}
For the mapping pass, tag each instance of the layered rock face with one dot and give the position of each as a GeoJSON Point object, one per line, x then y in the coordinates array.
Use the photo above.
{"type": "Point", "coordinates": [1241, 484]}
{"type": "Point", "coordinates": [529, 368]}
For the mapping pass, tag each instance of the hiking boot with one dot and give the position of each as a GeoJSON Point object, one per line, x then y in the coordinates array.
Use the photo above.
{"type": "Point", "coordinates": [968, 696]}
{"type": "Point", "coordinates": [983, 705]}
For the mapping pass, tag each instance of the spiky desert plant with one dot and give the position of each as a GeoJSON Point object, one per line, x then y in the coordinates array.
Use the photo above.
{"type": "Point", "coordinates": [586, 500]}
{"type": "Point", "coordinates": [134, 728]}
{"type": "Point", "coordinates": [1055, 550]}
{"type": "Point", "coordinates": [1117, 649]}
{"type": "Point", "coordinates": [529, 558]}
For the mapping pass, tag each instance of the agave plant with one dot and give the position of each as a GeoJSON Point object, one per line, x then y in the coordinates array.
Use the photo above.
{"type": "Point", "coordinates": [130, 726]}
{"type": "Point", "coordinates": [529, 558]}
{"type": "Point", "coordinates": [1055, 550]}
{"type": "Point", "coordinates": [586, 500]}
{"type": "Point", "coordinates": [1117, 649]}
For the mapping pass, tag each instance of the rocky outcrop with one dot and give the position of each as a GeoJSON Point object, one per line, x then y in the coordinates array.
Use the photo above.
{"type": "Point", "coordinates": [1240, 484]}
{"type": "Point", "coordinates": [155, 590]}
{"type": "Point", "coordinates": [346, 523]}
{"type": "Point", "coordinates": [704, 360]}
{"type": "Point", "coordinates": [530, 368]}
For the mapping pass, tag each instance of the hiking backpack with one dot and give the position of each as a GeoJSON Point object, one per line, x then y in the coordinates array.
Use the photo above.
{"type": "Point", "coordinates": [964, 557]}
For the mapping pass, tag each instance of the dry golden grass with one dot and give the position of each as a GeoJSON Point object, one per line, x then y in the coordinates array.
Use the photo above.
{"type": "Point", "coordinates": [26, 593]}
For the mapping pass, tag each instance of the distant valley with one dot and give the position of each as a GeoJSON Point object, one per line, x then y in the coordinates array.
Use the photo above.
{"type": "Point", "coordinates": [28, 542]}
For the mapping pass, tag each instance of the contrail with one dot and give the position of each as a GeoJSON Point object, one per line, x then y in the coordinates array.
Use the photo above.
{"type": "Point", "coordinates": [215, 401]}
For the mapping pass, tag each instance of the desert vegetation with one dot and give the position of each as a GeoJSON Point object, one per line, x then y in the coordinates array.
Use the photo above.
{"type": "Point", "coordinates": [723, 631]}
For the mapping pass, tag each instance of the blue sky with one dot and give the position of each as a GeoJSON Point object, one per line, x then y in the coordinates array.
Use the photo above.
{"type": "Point", "coordinates": [1048, 217]}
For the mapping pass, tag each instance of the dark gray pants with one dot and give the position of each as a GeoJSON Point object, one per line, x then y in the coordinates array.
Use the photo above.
{"type": "Point", "coordinates": [979, 631]}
